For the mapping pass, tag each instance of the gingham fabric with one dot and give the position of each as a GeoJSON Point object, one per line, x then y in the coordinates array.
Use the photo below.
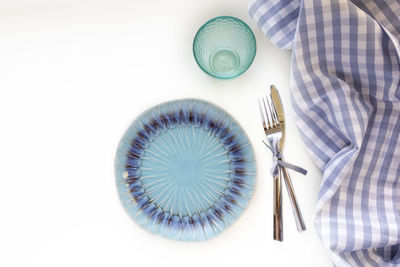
{"type": "Point", "coordinates": [345, 90]}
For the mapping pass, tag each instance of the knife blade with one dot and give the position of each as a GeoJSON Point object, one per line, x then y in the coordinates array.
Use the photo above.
{"type": "Point", "coordinates": [276, 101]}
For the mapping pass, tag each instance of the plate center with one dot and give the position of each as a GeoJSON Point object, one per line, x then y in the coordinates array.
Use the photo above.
{"type": "Point", "coordinates": [186, 168]}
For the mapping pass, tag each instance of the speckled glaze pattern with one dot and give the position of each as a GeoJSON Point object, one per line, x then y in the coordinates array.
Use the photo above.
{"type": "Point", "coordinates": [185, 170]}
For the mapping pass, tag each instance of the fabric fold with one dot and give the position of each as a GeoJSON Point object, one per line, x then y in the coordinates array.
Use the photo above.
{"type": "Point", "coordinates": [345, 80]}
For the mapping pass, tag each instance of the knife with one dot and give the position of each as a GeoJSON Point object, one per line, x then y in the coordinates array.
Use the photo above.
{"type": "Point", "coordinates": [276, 100]}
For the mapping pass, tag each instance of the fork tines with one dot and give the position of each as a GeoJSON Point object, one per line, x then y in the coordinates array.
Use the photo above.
{"type": "Point", "coordinates": [268, 115]}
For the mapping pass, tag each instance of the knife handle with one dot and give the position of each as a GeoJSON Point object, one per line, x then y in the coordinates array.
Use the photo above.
{"type": "Point", "coordinates": [293, 201]}
{"type": "Point", "coordinates": [277, 213]}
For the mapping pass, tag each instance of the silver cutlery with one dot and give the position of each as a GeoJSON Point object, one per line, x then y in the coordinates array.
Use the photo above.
{"type": "Point", "coordinates": [273, 120]}
{"type": "Point", "coordinates": [273, 132]}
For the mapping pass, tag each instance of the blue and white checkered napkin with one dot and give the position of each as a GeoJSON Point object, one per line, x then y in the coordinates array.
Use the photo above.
{"type": "Point", "coordinates": [345, 91]}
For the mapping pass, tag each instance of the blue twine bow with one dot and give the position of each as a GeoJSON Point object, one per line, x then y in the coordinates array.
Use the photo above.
{"type": "Point", "coordinates": [278, 162]}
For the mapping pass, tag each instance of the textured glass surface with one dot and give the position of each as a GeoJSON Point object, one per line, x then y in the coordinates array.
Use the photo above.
{"type": "Point", "coordinates": [224, 47]}
{"type": "Point", "coordinates": [185, 170]}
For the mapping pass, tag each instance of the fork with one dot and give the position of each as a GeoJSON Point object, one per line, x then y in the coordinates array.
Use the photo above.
{"type": "Point", "coordinates": [274, 134]}
{"type": "Point", "coordinates": [273, 129]}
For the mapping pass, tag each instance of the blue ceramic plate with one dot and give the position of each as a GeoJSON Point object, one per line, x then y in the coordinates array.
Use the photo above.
{"type": "Point", "coordinates": [185, 170]}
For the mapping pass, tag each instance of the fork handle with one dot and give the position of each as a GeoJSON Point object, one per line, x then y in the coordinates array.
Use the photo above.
{"type": "Point", "coordinates": [293, 201]}
{"type": "Point", "coordinates": [277, 213]}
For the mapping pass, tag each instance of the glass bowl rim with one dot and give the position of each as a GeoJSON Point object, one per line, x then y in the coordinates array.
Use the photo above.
{"type": "Point", "coordinates": [212, 20]}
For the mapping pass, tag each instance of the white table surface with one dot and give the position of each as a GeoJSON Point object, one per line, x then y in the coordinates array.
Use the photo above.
{"type": "Point", "coordinates": [73, 76]}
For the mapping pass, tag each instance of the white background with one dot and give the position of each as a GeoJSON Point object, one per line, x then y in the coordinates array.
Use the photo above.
{"type": "Point", "coordinates": [73, 76]}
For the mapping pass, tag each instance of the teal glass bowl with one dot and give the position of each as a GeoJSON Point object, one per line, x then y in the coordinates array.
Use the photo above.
{"type": "Point", "coordinates": [224, 47]}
